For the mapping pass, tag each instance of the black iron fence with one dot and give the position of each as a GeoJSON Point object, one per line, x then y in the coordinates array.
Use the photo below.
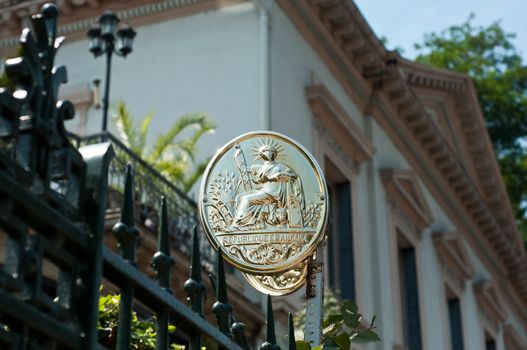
{"type": "Point", "coordinates": [53, 202]}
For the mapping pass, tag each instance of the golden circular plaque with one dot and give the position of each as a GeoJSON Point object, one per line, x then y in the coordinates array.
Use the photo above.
{"type": "Point", "coordinates": [263, 202]}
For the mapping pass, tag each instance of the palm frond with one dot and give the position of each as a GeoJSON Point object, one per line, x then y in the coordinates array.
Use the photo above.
{"type": "Point", "coordinates": [163, 142]}
{"type": "Point", "coordinates": [188, 145]}
{"type": "Point", "coordinates": [125, 127]}
{"type": "Point", "coordinates": [187, 148]}
{"type": "Point", "coordinates": [143, 131]}
{"type": "Point", "coordinates": [171, 156]}
{"type": "Point", "coordinates": [173, 170]}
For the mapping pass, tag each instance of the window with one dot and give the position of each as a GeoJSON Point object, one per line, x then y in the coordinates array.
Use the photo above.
{"type": "Point", "coordinates": [410, 215]}
{"type": "Point", "coordinates": [490, 343]}
{"type": "Point", "coordinates": [340, 242]}
{"type": "Point", "coordinates": [455, 323]}
{"type": "Point", "coordinates": [409, 295]}
{"type": "Point", "coordinates": [456, 271]}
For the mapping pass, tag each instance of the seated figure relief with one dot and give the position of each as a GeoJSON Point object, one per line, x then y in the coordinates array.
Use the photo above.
{"type": "Point", "coordinates": [273, 196]}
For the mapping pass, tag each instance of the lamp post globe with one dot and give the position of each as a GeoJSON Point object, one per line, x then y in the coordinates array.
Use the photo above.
{"type": "Point", "coordinates": [125, 39]}
{"type": "Point", "coordinates": [108, 24]}
{"type": "Point", "coordinates": [104, 38]}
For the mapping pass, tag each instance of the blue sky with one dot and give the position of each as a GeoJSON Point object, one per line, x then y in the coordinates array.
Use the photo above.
{"type": "Point", "coordinates": [404, 22]}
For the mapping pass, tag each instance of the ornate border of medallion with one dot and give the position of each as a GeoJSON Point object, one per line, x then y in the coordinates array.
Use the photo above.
{"type": "Point", "coordinates": [282, 284]}
{"type": "Point", "coordinates": [263, 202]}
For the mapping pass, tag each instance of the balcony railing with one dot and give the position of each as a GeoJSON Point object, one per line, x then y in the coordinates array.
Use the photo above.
{"type": "Point", "coordinates": [150, 185]}
{"type": "Point", "coordinates": [11, 3]}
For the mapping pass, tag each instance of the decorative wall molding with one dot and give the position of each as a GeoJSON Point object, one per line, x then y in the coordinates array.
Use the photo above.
{"type": "Point", "coordinates": [329, 141]}
{"type": "Point", "coordinates": [404, 223]}
{"type": "Point", "coordinates": [403, 189]}
{"type": "Point", "coordinates": [332, 117]}
{"type": "Point", "coordinates": [453, 257]}
{"type": "Point", "coordinates": [490, 303]}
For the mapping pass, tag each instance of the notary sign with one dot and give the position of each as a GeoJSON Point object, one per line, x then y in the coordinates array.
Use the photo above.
{"type": "Point", "coordinates": [263, 202]}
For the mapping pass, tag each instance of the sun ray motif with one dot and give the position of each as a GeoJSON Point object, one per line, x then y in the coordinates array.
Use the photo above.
{"type": "Point", "coordinates": [260, 143]}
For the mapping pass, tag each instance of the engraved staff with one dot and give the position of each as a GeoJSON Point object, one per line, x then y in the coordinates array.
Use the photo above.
{"type": "Point", "coordinates": [241, 165]}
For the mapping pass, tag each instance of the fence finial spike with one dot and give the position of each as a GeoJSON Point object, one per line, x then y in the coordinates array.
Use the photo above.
{"type": "Point", "coordinates": [127, 212]}
{"type": "Point", "coordinates": [271, 337]}
{"type": "Point", "coordinates": [162, 240]}
{"type": "Point", "coordinates": [270, 343]}
{"type": "Point", "coordinates": [221, 291]}
{"type": "Point", "coordinates": [195, 259]}
{"type": "Point", "coordinates": [292, 342]}
{"type": "Point", "coordinates": [221, 308]}
{"type": "Point", "coordinates": [125, 231]}
{"type": "Point", "coordinates": [238, 334]}
{"type": "Point", "coordinates": [163, 262]}
{"type": "Point", "coordinates": [194, 288]}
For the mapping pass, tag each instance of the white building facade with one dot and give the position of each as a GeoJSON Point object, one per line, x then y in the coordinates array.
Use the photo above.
{"type": "Point", "coordinates": [423, 235]}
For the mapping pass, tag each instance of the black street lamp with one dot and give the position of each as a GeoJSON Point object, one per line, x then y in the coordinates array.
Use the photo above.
{"type": "Point", "coordinates": [103, 39]}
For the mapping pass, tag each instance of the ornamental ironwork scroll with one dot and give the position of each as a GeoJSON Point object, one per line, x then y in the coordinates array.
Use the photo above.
{"type": "Point", "coordinates": [32, 119]}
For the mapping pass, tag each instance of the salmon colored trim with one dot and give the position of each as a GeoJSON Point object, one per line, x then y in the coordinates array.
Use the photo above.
{"type": "Point", "coordinates": [404, 190]}
{"type": "Point", "coordinates": [453, 255]}
{"type": "Point", "coordinates": [334, 118]}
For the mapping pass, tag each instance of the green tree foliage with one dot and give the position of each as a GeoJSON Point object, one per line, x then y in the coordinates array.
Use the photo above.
{"type": "Point", "coordinates": [173, 153]}
{"type": "Point", "coordinates": [342, 325]}
{"type": "Point", "coordinates": [488, 55]}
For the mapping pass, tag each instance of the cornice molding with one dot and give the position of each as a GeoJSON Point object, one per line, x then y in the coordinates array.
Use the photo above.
{"type": "Point", "coordinates": [332, 117]}
{"type": "Point", "coordinates": [454, 177]}
{"type": "Point", "coordinates": [403, 189]}
{"type": "Point", "coordinates": [429, 77]}
{"type": "Point", "coordinates": [79, 15]}
{"type": "Point", "coordinates": [453, 256]}
{"type": "Point", "coordinates": [338, 33]}
{"type": "Point", "coordinates": [477, 141]}
{"type": "Point", "coordinates": [348, 29]}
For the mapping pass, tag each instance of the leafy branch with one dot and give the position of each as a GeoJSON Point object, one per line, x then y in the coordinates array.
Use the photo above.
{"type": "Point", "coordinates": [342, 325]}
